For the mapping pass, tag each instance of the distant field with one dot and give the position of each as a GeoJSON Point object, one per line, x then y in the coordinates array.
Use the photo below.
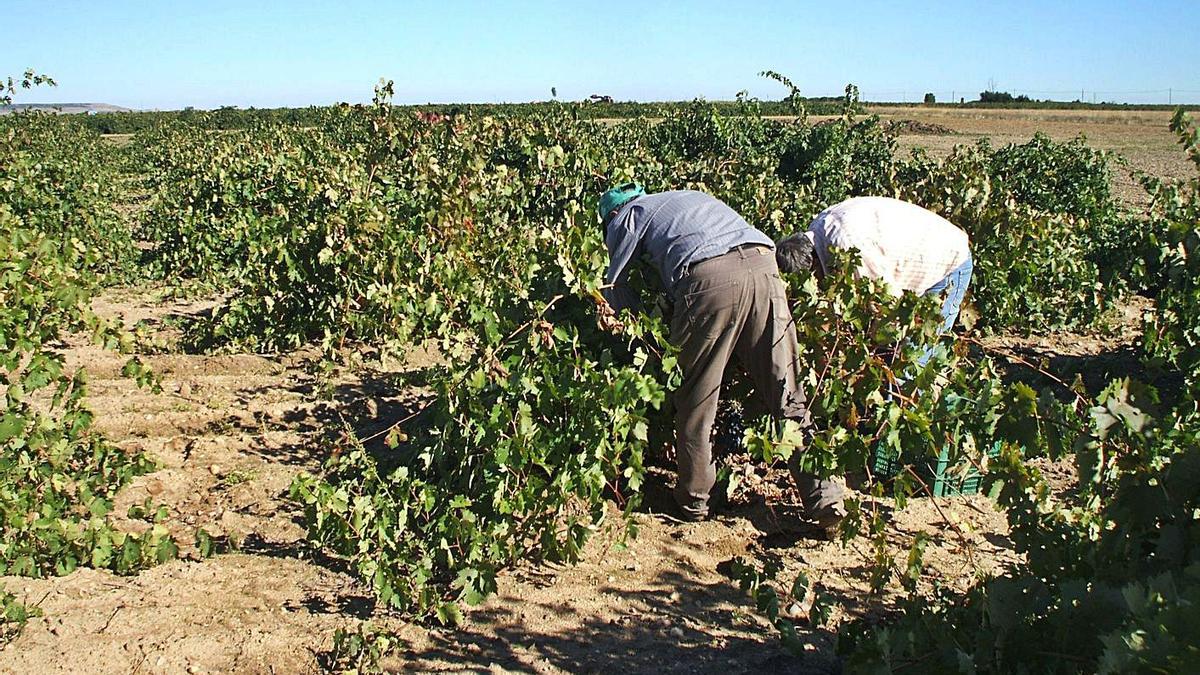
{"type": "Point", "coordinates": [1141, 137]}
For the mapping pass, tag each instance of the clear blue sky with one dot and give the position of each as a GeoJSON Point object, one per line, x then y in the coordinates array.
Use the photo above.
{"type": "Point", "coordinates": [168, 54]}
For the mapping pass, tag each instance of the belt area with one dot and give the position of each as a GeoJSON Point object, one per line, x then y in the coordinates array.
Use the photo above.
{"type": "Point", "coordinates": [742, 249]}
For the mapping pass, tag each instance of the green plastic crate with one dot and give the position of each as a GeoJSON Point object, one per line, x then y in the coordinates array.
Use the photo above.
{"type": "Point", "coordinates": [887, 463]}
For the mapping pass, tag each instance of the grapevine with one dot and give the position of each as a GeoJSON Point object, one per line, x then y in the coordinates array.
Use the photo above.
{"type": "Point", "coordinates": [473, 231]}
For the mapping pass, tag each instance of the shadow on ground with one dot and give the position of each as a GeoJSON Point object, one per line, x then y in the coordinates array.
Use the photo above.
{"type": "Point", "coordinates": [669, 629]}
{"type": "Point", "coordinates": [325, 416]}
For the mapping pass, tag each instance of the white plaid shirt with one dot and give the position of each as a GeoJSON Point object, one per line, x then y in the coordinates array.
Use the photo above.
{"type": "Point", "coordinates": [908, 247]}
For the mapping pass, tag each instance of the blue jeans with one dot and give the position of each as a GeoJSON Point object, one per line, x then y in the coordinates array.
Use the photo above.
{"type": "Point", "coordinates": [952, 289]}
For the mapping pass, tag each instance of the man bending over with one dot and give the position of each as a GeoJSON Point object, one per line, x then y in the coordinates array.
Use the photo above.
{"type": "Point", "coordinates": [729, 303]}
{"type": "Point", "coordinates": [902, 244]}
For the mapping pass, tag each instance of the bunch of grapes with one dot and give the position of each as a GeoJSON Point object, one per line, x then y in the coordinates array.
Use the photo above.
{"type": "Point", "coordinates": [729, 429]}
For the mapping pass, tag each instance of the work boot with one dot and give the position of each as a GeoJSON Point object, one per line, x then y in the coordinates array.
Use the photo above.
{"type": "Point", "coordinates": [829, 521]}
{"type": "Point", "coordinates": [823, 500]}
{"type": "Point", "coordinates": [691, 513]}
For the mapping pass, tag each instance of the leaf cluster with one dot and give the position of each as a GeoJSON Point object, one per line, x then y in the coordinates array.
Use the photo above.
{"type": "Point", "coordinates": [59, 241]}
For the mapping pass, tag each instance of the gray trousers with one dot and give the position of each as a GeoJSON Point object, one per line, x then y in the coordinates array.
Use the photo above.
{"type": "Point", "coordinates": [736, 305]}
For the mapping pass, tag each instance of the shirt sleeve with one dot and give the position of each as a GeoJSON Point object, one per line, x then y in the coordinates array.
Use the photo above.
{"type": "Point", "coordinates": [624, 245]}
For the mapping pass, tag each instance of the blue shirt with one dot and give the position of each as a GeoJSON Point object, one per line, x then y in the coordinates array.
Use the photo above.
{"type": "Point", "coordinates": [676, 229]}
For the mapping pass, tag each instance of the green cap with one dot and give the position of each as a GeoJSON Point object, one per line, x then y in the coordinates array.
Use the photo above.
{"type": "Point", "coordinates": [618, 197]}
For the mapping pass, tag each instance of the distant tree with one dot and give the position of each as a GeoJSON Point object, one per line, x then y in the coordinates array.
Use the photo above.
{"type": "Point", "coordinates": [1002, 97]}
{"type": "Point", "coordinates": [930, 98]}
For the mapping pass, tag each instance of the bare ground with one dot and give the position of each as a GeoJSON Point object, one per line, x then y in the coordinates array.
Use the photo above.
{"type": "Point", "coordinates": [230, 432]}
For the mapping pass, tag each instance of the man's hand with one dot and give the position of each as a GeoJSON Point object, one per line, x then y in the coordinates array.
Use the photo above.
{"type": "Point", "coordinates": [607, 318]}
